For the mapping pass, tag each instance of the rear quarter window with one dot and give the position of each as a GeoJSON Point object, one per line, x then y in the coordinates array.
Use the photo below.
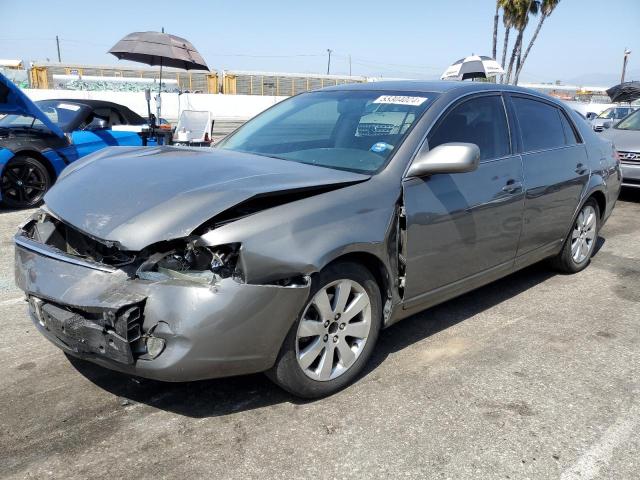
{"type": "Point", "coordinates": [540, 124]}
{"type": "Point", "coordinates": [570, 133]}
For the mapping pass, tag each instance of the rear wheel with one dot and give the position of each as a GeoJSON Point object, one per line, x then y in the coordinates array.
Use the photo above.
{"type": "Point", "coordinates": [581, 242]}
{"type": "Point", "coordinates": [335, 333]}
{"type": "Point", "coordinates": [25, 180]}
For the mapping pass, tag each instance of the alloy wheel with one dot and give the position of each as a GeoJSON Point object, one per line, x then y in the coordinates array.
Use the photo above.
{"type": "Point", "coordinates": [24, 183]}
{"type": "Point", "coordinates": [583, 235]}
{"type": "Point", "coordinates": [333, 330]}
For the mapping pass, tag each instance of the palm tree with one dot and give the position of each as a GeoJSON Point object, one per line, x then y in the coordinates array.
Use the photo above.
{"type": "Point", "coordinates": [508, 17]}
{"type": "Point", "coordinates": [546, 9]}
{"type": "Point", "coordinates": [522, 10]}
{"type": "Point", "coordinates": [496, 17]}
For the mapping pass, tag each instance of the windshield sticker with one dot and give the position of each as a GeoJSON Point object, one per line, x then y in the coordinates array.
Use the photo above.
{"type": "Point", "coordinates": [401, 100]}
{"type": "Point", "coordinates": [69, 106]}
{"type": "Point", "coordinates": [380, 147]}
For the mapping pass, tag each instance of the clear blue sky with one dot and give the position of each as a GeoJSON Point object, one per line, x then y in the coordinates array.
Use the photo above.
{"type": "Point", "coordinates": [583, 39]}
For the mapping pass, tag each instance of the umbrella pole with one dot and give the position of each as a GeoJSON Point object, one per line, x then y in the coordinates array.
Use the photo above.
{"type": "Point", "coordinates": [160, 91]}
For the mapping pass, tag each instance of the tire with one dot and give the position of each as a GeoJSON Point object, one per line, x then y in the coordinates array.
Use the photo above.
{"type": "Point", "coordinates": [24, 182]}
{"type": "Point", "coordinates": [581, 242]}
{"type": "Point", "coordinates": [302, 367]}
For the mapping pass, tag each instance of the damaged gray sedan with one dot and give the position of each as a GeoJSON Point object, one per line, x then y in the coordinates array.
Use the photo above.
{"type": "Point", "coordinates": [323, 220]}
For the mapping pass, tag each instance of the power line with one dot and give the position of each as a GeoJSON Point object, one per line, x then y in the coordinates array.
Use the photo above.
{"type": "Point", "coordinates": [267, 56]}
{"type": "Point", "coordinates": [375, 62]}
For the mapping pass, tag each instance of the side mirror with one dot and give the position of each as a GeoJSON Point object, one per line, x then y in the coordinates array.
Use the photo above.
{"type": "Point", "coordinates": [606, 124]}
{"type": "Point", "coordinates": [446, 158]}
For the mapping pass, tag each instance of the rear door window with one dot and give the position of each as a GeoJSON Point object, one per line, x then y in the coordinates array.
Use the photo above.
{"type": "Point", "coordinates": [540, 124]}
{"type": "Point", "coordinates": [481, 121]}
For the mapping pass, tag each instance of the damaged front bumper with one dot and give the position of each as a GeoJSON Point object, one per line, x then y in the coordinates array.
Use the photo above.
{"type": "Point", "coordinates": [102, 314]}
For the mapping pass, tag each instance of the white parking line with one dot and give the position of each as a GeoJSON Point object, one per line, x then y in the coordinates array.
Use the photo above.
{"type": "Point", "coordinates": [588, 465]}
{"type": "Point", "coordinates": [12, 301]}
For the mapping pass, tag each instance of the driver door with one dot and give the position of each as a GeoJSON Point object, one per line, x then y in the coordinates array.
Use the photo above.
{"type": "Point", "coordinates": [463, 228]}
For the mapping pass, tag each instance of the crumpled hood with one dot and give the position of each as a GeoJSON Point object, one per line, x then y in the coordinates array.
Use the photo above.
{"type": "Point", "coordinates": [140, 196]}
{"type": "Point", "coordinates": [14, 101]}
{"type": "Point", "coordinates": [624, 140]}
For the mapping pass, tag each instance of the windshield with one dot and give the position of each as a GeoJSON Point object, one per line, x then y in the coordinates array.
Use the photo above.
{"type": "Point", "coordinates": [347, 130]}
{"type": "Point", "coordinates": [608, 113]}
{"type": "Point", "coordinates": [63, 114]}
{"type": "Point", "coordinates": [632, 122]}
{"type": "Point", "coordinates": [615, 113]}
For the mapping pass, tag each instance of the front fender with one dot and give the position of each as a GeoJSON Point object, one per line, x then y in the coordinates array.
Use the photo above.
{"type": "Point", "coordinates": [55, 159]}
{"type": "Point", "coordinates": [5, 156]}
{"type": "Point", "coordinates": [302, 237]}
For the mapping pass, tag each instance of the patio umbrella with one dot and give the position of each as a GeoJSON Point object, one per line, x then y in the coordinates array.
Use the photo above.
{"type": "Point", "coordinates": [624, 92]}
{"type": "Point", "coordinates": [159, 48]}
{"type": "Point", "coordinates": [475, 66]}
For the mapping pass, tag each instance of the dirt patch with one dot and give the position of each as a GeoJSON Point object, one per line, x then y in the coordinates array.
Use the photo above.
{"type": "Point", "coordinates": [497, 409]}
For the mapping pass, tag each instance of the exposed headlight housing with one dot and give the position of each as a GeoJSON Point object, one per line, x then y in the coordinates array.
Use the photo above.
{"type": "Point", "coordinates": [193, 263]}
{"type": "Point", "coordinates": [155, 345]}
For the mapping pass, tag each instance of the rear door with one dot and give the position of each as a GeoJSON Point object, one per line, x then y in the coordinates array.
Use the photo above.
{"type": "Point", "coordinates": [556, 170]}
{"type": "Point", "coordinates": [466, 224]}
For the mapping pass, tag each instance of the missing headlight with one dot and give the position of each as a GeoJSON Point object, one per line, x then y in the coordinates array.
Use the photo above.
{"type": "Point", "coordinates": [199, 264]}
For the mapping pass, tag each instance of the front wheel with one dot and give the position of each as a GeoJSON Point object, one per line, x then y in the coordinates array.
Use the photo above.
{"type": "Point", "coordinates": [581, 242]}
{"type": "Point", "coordinates": [25, 180]}
{"type": "Point", "coordinates": [334, 335]}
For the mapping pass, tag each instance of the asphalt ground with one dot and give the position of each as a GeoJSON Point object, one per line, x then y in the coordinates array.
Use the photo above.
{"type": "Point", "coordinates": [534, 376]}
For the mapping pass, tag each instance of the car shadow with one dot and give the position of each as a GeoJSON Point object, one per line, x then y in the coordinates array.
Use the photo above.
{"type": "Point", "coordinates": [13, 210]}
{"type": "Point", "coordinates": [630, 195]}
{"type": "Point", "coordinates": [448, 314]}
{"type": "Point", "coordinates": [220, 397]}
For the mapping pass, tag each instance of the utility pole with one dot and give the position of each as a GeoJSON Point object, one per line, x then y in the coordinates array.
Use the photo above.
{"type": "Point", "coordinates": [349, 64]}
{"type": "Point", "coordinates": [329, 60]}
{"type": "Point", "coordinates": [58, 45]}
{"type": "Point", "coordinates": [159, 97]}
{"type": "Point", "coordinates": [627, 52]}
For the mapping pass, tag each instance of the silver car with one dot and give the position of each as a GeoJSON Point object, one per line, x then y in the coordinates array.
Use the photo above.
{"type": "Point", "coordinates": [626, 138]}
{"type": "Point", "coordinates": [610, 117]}
{"type": "Point", "coordinates": [321, 221]}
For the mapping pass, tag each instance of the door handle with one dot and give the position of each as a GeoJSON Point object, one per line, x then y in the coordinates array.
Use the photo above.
{"type": "Point", "coordinates": [580, 170]}
{"type": "Point", "coordinates": [512, 186]}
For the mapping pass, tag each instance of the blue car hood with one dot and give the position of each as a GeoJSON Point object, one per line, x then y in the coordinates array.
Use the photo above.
{"type": "Point", "coordinates": [14, 101]}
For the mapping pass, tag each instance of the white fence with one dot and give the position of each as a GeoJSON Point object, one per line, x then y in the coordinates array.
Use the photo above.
{"type": "Point", "coordinates": [223, 107]}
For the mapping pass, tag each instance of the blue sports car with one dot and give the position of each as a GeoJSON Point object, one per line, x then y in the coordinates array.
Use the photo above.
{"type": "Point", "coordinates": [39, 139]}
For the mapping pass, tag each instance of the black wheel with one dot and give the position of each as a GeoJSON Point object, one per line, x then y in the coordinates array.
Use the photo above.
{"type": "Point", "coordinates": [581, 241]}
{"type": "Point", "coordinates": [25, 180]}
{"type": "Point", "coordinates": [334, 335]}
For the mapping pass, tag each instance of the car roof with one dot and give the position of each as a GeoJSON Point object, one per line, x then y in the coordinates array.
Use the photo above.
{"type": "Point", "coordinates": [130, 116]}
{"type": "Point", "coordinates": [437, 86]}
{"type": "Point", "coordinates": [88, 102]}
{"type": "Point", "coordinates": [400, 86]}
